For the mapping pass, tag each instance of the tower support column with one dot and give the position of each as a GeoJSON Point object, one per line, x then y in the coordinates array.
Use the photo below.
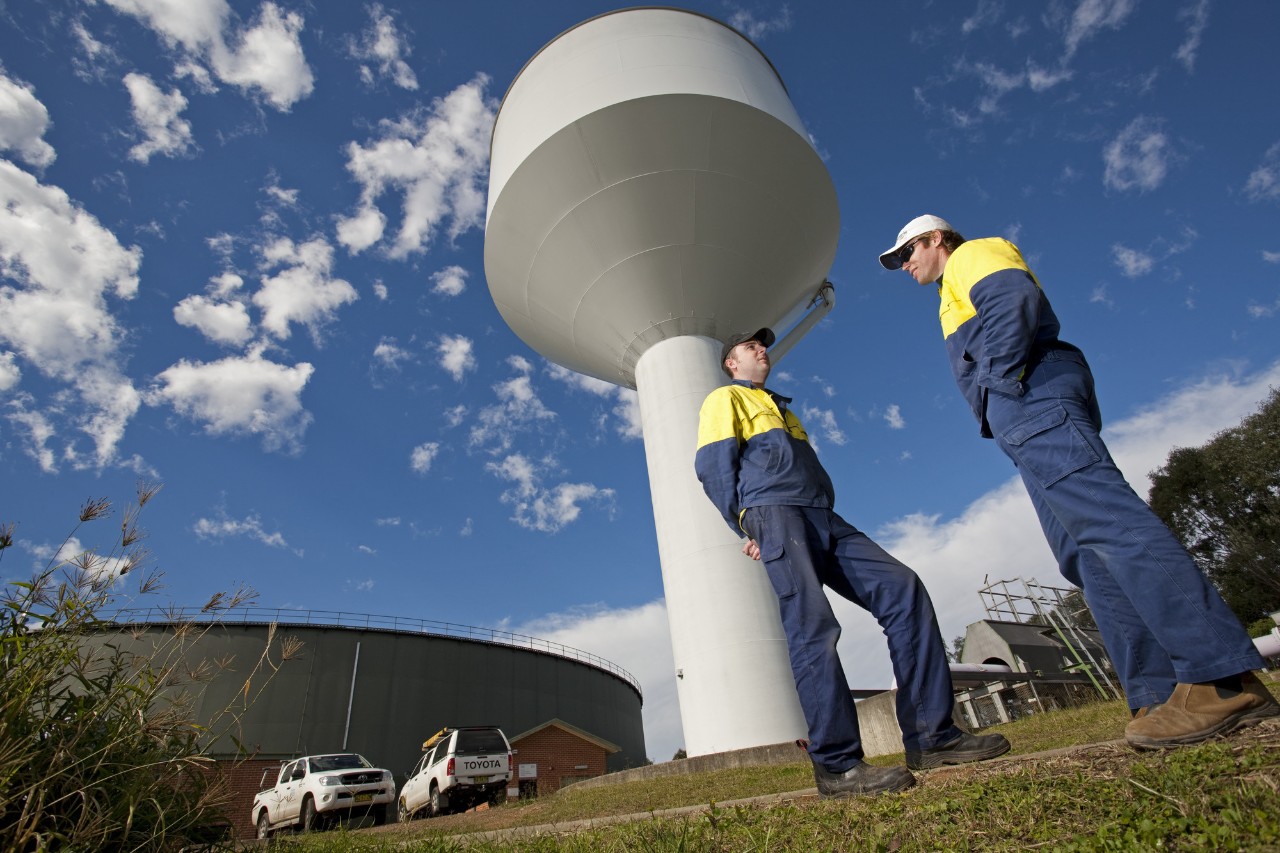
{"type": "Point", "coordinates": [733, 674]}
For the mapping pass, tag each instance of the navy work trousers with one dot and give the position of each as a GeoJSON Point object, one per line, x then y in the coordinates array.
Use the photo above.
{"type": "Point", "coordinates": [807, 548]}
{"type": "Point", "coordinates": [1160, 619]}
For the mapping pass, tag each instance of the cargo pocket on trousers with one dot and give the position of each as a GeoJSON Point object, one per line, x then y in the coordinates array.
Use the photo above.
{"type": "Point", "coordinates": [778, 568]}
{"type": "Point", "coordinates": [1050, 446]}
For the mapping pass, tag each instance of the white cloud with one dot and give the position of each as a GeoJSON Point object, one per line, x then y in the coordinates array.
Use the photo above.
{"type": "Point", "coordinates": [390, 354]}
{"type": "Point", "coordinates": [580, 381]}
{"type": "Point", "coordinates": [387, 522]}
{"type": "Point", "coordinates": [450, 281]}
{"type": "Point", "coordinates": [436, 161]}
{"type": "Point", "coordinates": [158, 117]}
{"type": "Point", "coordinates": [1100, 295]}
{"type": "Point", "coordinates": [893, 417]}
{"type": "Point", "coordinates": [1091, 17]}
{"type": "Point", "coordinates": [38, 430]}
{"type": "Point", "coordinates": [10, 374]}
{"type": "Point", "coordinates": [265, 57]}
{"type": "Point", "coordinates": [422, 457]}
{"type": "Point", "coordinates": [986, 14]}
{"type": "Point", "coordinates": [1271, 257]}
{"type": "Point", "coordinates": [23, 122]}
{"type": "Point", "coordinates": [1132, 263]}
{"type": "Point", "coordinates": [380, 291]}
{"type": "Point", "coordinates": [519, 363]}
{"type": "Point", "coordinates": [518, 406]}
{"type": "Point", "coordinates": [824, 422]}
{"type": "Point", "coordinates": [95, 57]}
{"type": "Point", "coordinates": [220, 322]}
{"type": "Point", "coordinates": [638, 639]}
{"type": "Point", "coordinates": [456, 355]}
{"type": "Point", "coordinates": [73, 553]}
{"type": "Point", "coordinates": [224, 527]}
{"type": "Point", "coordinates": [1197, 16]}
{"type": "Point", "coordinates": [304, 291]}
{"type": "Point", "coordinates": [545, 510]}
{"type": "Point", "coordinates": [1139, 157]}
{"type": "Point", "coordinates": [1264, 181]}
{"type": "Point", "coordinates": [239, 395]}
{"type": "Point", "coordinates": [626, 410]}
{"type": "Point", "coordinates": [59, 267]}
{"type": "Point", "coordinates": [755, 29]}
{"type": "Point", "coordinates": [630, 424]}
{"type": "Point", "coordinates": [1259, 311]}
{"type": "Point", "coordinates": [384, 46]}
{"type": "Point", "coordinates": [455, 415]}
{"type": "Point", "coordinates": [361, 230]}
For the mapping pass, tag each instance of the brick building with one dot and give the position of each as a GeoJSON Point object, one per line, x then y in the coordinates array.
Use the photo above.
{"type": "Point", "coordinates": [555, 754]}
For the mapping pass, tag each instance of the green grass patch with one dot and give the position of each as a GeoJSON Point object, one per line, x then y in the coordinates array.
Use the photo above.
{"type": "Point", "coordinates": [1224, 795]}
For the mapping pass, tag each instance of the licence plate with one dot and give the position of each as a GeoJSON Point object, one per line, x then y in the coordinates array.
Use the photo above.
{"type": "Point", "coordinates": [364, 798]}
{"type": "Point", "coordinates": [480, 780]}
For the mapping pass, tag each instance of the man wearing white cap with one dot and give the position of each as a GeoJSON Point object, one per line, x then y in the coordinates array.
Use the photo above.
{"type": "Point", "coordinates": [1184, 659]}
{"type": "Point", "coordinates": [756, 465]}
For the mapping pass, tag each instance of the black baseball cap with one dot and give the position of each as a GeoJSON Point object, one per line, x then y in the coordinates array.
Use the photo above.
{"type": "Point", "coordinates": [764, 336]}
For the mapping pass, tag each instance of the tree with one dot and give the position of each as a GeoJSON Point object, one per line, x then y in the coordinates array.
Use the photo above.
{"type": "Point", "coordinates": [1222, 500]}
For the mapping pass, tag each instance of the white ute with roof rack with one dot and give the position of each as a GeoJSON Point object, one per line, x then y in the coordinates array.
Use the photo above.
{"type": "Point", "coordinates": [460, 768]}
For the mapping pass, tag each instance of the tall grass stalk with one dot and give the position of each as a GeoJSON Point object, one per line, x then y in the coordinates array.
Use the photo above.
{"type": "Point", "coordinates": [100, 747]}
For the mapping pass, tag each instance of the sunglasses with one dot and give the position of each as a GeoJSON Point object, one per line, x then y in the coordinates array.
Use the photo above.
{"type": "Point", "coordinates": [905, 253]}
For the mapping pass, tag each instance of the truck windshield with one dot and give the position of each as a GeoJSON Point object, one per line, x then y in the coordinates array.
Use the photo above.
{"type": "Point", "coordinates": [337, 762]}
{"type": "Point", "coordinates": [481, 741]}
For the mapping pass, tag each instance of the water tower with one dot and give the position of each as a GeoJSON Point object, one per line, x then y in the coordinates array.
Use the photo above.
{"type": "Point", "coordinates": [651, 190]}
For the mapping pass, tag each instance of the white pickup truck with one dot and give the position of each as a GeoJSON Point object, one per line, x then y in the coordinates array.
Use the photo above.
{"type": "Point", "coordinates": [311, 791]}
{"type": "Point", "coordinates": [459, 768]}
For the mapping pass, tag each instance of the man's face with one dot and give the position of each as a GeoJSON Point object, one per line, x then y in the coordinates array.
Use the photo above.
{"type": "Point", "coordinates": [749, 360]}
{"type": "Point", "coordinates": [927, 258]}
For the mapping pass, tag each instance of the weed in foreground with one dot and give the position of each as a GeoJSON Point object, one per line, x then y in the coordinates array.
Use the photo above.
{"type": "Point", "coordinates": [99, 745]}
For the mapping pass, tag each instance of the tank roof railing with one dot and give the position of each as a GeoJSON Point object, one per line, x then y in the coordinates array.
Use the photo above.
{"type": "Point", "coordinates": [342, 619]}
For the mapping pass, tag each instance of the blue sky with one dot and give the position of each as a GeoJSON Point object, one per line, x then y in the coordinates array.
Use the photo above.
{"type": "Point", "coordinates": [241, 254]}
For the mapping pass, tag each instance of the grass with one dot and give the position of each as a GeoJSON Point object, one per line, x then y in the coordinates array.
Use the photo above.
{"type": "Point", "coordinates": [1079, 792]}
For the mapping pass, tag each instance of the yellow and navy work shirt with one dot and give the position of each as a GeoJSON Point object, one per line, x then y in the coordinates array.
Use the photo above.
{"type": "Point", "coordinates": [995, 318]}
{"type": "Point", "coordinates": [753, 451]}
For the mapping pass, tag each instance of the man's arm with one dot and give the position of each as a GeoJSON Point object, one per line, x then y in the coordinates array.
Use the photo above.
{"type": "Point", "coordinates": [1008, 306]}
{"type": "Point", "coordinates": [719, 454]}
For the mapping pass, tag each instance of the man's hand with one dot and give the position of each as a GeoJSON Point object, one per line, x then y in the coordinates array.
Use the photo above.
{"type": "Point", "coordinates": [751, 549]}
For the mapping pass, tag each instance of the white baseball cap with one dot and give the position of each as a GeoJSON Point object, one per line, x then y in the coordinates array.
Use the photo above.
{"type": "Point", "coordinates": [914, 228]}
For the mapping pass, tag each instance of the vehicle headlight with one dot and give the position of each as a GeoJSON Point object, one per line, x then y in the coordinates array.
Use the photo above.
{"type": "Point", "coordinates": [387, 776]}
{"type": "Point", "coordinates": [330, 780]}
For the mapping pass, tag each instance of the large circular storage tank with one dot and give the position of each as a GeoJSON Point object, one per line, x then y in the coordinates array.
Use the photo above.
{"type": "Point", "coordinates": [381, 688]}
{"type": "Point", "coordinates": [650, 179]}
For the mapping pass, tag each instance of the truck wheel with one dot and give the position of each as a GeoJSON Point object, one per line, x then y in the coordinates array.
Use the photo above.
{"type": "Point", "coordinates": [310, 820]}
{"type": "Point", "coordinates": [437, 805]}
{"type": "Point", "coordinates": [381, 813]}
{"type": "Point", "coordinates": [402, 812]}
{"type": "Point", "coordinates": [264, 826]}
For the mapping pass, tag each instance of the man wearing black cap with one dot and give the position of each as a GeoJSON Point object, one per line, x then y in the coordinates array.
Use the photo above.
{"type": "Point", "coordinates": [756, 464]}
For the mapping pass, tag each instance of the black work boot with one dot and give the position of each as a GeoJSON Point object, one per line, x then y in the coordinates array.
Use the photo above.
{"type": "Point", "coordinates": [962, 750]}
{"type": "Point", "coordinates": [861, 778]}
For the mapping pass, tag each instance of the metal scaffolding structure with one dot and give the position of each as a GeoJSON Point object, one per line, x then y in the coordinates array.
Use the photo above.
{"type": "Point", "coordinates": [1030, 602]}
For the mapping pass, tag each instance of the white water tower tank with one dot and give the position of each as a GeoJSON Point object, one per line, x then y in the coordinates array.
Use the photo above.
{"type": "Point", "coordinates": [651, 191]}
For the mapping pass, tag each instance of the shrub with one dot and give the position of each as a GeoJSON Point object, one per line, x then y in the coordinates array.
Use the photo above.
{"type": "Point", "coordinates": [99, 747]}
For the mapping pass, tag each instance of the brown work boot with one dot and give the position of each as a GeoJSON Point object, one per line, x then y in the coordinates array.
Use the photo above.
{"type": "Point", "coordinates": [1197, 712]}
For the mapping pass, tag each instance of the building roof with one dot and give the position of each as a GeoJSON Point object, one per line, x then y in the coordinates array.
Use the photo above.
{"type": "Point", "coordinates": [608, 747]}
